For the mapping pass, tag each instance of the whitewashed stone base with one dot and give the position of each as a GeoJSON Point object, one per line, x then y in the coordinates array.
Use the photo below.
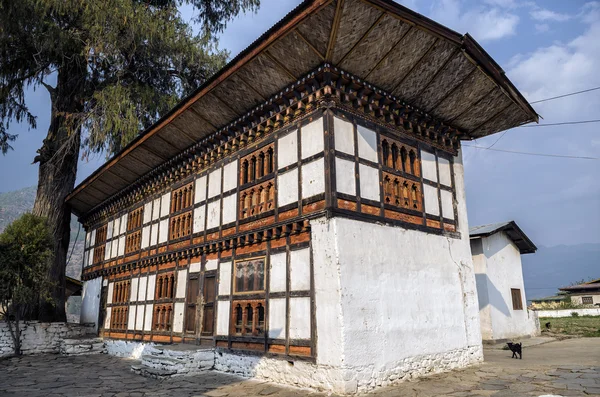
{"type": "Point", "coordinates": [346, 380]}
{"type": "Point", "coordinates": [178, 362]}
{"type": "Point", "coordinates": [82, 346]}
{"type": "Point", "coordinates": [38, 338]}
{"type": "Point", "coordinates": [127, 349]}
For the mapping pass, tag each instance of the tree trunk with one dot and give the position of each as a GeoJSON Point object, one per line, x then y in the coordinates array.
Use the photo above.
{"type": "Point", "coordinates": [58, 168]}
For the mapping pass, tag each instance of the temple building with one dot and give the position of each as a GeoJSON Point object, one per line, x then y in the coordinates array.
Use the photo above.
{"type": "Point", "coordinates": [303, 212]}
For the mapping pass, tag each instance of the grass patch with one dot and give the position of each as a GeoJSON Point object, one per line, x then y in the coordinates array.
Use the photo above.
{"type": "Point", "coordinates": [586, 326]}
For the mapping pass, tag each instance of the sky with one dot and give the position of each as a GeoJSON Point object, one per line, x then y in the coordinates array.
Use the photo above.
{"type": "Point", "coordinates": [547, 48]}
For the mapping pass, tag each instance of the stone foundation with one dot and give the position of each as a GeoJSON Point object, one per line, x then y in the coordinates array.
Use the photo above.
{"type": "Point", "coordinates": [127, 349]}
{"type": "Point", "coordinates": [38, 338]}
{"type": "Point", "coordinates": [348, 380]}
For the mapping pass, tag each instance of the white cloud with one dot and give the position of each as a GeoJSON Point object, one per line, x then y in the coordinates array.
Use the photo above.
{"type": "Point", "coordinates": [562, 68]}
{"type": "Point", "coordinates": [484, 22]}
{"type": "Point", "coordinates": [542, 27]}
{"type": "Point", "coordinates": [542, 14]}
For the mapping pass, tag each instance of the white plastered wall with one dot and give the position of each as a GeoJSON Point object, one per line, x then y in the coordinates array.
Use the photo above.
{"type": "Point", "coordinates": [90, 305]}
{"type": "Point", "coordinates": [402, 306]}
{"type": "Point", "coordinates": [503, 271]}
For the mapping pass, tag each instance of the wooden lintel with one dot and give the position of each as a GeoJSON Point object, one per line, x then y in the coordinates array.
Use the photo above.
{"type": "Point", "coordinates": [334, 30]}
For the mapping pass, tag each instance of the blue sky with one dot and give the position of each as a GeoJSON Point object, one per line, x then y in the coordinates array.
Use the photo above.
{"type": "Point", "coordinates": [546, 48]}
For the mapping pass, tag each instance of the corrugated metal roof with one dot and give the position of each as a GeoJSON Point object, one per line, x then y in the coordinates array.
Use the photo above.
{"type": "Point", "coordinates": [513, 231]}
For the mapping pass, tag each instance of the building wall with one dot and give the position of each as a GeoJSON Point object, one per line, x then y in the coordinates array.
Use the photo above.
{"type": "Point", "coordinates": [480, 266]}
{"type": "Point", "coordinates": [577, 298]}
{"type": "Point", "coordinates": [398, 305]}
{"type": "Point", "coordinates": [364, 237]}
{"type": "Point", "coordinates": [90, 306]}
{"type": "Point", "coordinates": [502, 272]}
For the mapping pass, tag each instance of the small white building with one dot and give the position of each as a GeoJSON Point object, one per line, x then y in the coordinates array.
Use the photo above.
{"type": "Point", "coordinates": [497, 250]}
{"type": "Point", "coordinates": [585, 294]}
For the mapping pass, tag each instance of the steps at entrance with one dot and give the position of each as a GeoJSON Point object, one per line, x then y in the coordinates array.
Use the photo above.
{"type": "Point", "coordinates": [82, 345]}
{"type": "Point", "coordinates": [165, 361]}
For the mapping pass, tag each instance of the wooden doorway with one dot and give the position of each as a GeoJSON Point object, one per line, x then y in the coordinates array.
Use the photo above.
{"type": "Point", "coordinates": [191, 307]}
{"type": "Point", "coordinates": [102, 311]}
{"type": "Point", "coordinates": [208, 305]}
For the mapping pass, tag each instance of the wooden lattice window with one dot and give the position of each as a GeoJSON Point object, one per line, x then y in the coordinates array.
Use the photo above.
{"type": "Point", "coordinates": [181, 225]}
{"type": "Point", "coordinates": [118, 318]}
{"type": "Point", "coordinates": [402, 192]}
{"type": "Point", "coordinates": [165, 286]}
{"type": "Point", "coordinates": [248, 318]}
{"type": "Point", "coordinates": [587, 300]}
{"type": "Point", "coordinates": [121, 291]}
{"type": "Point", "coordinates": [100, 244]}
{"type": "Point", "coordinates": [257, 199]}
{"type": "Point", "coordinates": [257, 165]}
{"type": "Point", "coordinates": [133, 241]}
{"type": "Point", "coordinates": [516, 299]}
{"type": "Point", "coordinates": [400, 157]}
{"type": "Point", "coordinates": [182, 198]}
{"type": "Point", "coordinates": [134, 219]}
{"type": "Point", "coordinates": [162, 317]}
{"type": "Point", "coordinates": [250, 275]}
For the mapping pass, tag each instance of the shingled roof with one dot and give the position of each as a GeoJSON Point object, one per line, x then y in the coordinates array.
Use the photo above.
{"type": "Point", "coordinates": [430, 67]}
{"type": "Point", "coordinates": [593, 285]}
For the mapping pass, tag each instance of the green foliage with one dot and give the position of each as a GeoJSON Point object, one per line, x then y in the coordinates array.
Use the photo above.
{"type": "Point", "coordinates": [134, 59]}
{"type": "Point", "coordinates": [574, 314]}
{"type": "Point", "coordinates": [25, 257]}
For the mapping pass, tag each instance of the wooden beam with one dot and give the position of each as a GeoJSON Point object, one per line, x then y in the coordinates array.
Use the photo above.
{"type": "Point", "coordinates": [388, 53]}
{"type": "Point", "coordinates": [185, 134]}
{"type": "Point", "coordinates": [280, 65]}
{"type": "Point", "coordinates": [492, 117]}
{"type": "Point", "coordinates": [414, 66]}
{"type": "Point", "coordinates": [252, 88]}
{"type": "Point", "coordinates": [474, 104]}
{"type": "Point", "coordinates": [362, 37]}
{"type": "Point", "coordinates": [475, 69]}
{"type": "Point", "coordinates": [203, 118]}
{"type": "Point", "coordinates": [237, 115]}
{"type": "Point", "coordinates": [451, 57]}
{"type": "Point", "coordinates": [310, 45]}
{"type": "Point", "coordinates": [334, 30]}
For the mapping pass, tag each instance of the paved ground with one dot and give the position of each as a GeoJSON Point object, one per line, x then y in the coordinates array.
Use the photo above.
{"type": "Point", "coordinates": [563, 368]}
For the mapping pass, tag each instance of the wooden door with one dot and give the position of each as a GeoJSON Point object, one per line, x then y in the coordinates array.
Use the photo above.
{"type": "Point", "coordinates": [102, 311]}
{"type": "Point", "coordinates": [191, 305]}
{"type": "Point", "coordinates": [208, 305]}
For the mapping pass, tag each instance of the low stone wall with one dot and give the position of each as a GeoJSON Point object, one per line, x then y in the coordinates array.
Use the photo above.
{"type": "Point", "coordinates": [37, 338]}
{"type": "Point", "coordinates": [126, 349]}
{"type": "Point", "coordinates": [568, 312]}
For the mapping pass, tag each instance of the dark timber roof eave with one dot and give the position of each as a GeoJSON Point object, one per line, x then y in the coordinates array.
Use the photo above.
{"type": "Point", "coordinates": [486, 101]}
{"type": "Point", "coordinates": [512, 230]}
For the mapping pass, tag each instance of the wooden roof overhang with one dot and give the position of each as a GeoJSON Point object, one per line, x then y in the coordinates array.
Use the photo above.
{"type": "Point", "coordinates": [445, 75]}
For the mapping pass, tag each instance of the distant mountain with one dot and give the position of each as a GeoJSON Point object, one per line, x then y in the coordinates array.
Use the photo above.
{"type": "Point", "coordinates": [553, 267]}
{"type": "Point", "coordinates": [13, 204]}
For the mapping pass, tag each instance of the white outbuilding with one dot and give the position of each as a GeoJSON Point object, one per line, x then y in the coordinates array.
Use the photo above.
{"type": "Point", "coordinates": [497, 250]}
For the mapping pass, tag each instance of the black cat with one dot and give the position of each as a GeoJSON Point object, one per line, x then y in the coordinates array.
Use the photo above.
{"type": "Point", "coordinates": [515, 348]}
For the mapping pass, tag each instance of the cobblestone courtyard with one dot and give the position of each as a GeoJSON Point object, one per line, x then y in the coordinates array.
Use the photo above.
{"type": "Point", "coordinates": [565, 368]}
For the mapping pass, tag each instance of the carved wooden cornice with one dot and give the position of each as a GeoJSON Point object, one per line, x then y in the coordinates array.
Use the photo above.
{"type": "Point", "coordinates": [325, 87]}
